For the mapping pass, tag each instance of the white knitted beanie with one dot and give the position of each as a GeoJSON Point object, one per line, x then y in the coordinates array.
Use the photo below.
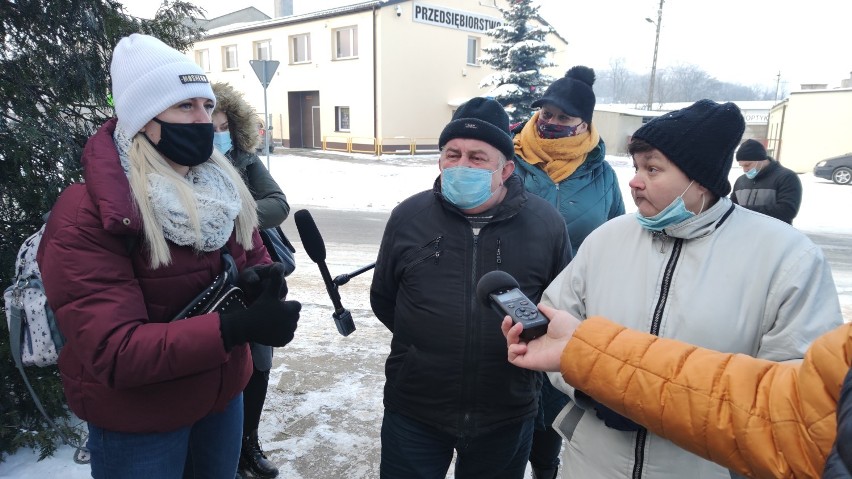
{"type": "Point", "coordinates": [149, 76]}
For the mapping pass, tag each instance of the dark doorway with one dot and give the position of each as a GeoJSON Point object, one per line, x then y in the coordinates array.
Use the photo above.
{"type": "Point", "coordinates": [304, 119]}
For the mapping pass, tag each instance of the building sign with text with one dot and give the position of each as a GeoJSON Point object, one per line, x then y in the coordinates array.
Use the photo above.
{"type": "Point", "coordinates": [455, 19]}
{"type": "Point", "coordinates": [756, 116]}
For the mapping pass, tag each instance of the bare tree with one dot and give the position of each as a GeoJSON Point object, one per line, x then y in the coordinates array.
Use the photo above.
{"type": "Point", "coordinates": [619, 78]}
{"type": "Point", "coordinates": [687, 82]}
{"type": "Point", "coordinates": [679, 83]}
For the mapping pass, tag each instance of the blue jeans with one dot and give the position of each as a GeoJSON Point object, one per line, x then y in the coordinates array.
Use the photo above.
{"type": "Point", "coordinates": [412, 449]}
{"type": "Point", "coordinates": [208, 449]}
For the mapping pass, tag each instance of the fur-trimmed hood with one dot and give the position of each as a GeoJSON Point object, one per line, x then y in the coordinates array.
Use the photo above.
{"type": "Point", "coordinates": [242, 119]}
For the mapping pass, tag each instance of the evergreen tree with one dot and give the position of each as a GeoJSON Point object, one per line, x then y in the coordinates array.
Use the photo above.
{"type": "Point", "coordinates": [519, 53]}
{"type": "Point", "coordinates": [54, 93]}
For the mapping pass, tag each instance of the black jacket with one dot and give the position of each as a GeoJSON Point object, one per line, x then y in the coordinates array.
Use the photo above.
{"type": "Point", "coordinates": [775, 191]}
{"type": "Point", "coordinates": [447, 366]}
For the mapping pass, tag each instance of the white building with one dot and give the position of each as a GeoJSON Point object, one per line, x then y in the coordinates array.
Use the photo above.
{"type": "Point", "coordinates": [374, 75]}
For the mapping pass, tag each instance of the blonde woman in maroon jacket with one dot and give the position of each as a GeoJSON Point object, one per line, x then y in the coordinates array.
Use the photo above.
{"type": "Point", "coordinates": [127, 250]}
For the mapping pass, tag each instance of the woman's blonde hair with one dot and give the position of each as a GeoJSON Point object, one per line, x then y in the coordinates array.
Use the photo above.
{"type": "Point", "coordinates": [144, 160]}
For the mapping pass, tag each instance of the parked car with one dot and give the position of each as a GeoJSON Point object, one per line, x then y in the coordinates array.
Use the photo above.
{"type": "Point", "coordinates": [837, 169]}
{"type": "Point", "coordinates": [262, 132]}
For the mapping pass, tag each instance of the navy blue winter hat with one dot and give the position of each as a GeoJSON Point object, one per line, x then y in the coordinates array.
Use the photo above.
{"type": "Point", "coordinates": [572, 93]}
{"type": "Point", "coordinates": [751, 150]}
{"type": "Point", "coordinates": [481, 119]}
{"type": "Point", "coordinates": [700, 139]}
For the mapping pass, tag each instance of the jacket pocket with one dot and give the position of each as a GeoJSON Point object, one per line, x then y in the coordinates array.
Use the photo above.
{"type": "Point", "coordinates": [408, 369]}
{"type": "Point", "coordinates": [429, 251]}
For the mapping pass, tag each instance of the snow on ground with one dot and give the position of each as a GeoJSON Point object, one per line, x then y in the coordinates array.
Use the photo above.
{"type": "Point", "coordinates": [323, 412]}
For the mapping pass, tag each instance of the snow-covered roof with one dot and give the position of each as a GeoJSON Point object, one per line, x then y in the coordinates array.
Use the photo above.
{"type": "Point", "coordinates": [277, 22]}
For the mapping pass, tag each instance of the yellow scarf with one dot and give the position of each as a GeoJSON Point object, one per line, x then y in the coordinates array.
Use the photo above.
{"type": "Point", "coordinates": [560, 156]}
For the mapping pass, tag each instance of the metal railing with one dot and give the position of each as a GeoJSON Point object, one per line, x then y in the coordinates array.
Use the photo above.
{"type": "Point", "coordinates": [398, 145]}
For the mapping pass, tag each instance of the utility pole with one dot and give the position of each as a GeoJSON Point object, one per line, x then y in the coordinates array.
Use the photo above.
{"type": "Point", "coordinates": [777, 84]}
{"type": "Point", "coordinates": [656, 47]}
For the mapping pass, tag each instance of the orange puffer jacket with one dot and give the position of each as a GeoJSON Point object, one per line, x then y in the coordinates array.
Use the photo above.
{"type": "Point", "coordinates": [756, 417]}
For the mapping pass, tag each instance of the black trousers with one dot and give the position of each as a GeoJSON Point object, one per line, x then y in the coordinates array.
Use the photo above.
{"type": "Point", "coordinates": [254, 395]}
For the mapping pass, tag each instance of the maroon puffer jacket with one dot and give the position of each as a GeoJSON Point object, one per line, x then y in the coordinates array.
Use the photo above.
{"type": "Point", "coordinates": [124, 366]}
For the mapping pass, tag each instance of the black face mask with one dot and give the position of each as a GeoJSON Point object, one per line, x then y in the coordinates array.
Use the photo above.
{"type": "Point", "coordinates": [187, 144]}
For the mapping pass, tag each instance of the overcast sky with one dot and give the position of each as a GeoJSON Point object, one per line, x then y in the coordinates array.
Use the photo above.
{"type": "Point", "coordinates": [739, 41]}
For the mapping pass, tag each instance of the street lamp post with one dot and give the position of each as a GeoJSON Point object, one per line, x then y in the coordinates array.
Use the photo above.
{"type": "Point", "coordinates": [656, 46]}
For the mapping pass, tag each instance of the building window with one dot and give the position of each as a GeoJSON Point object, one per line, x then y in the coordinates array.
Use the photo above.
{"type": "Point", "coordinates": [341, 118]}
{"type": "Point", "coordinates": [300, 48]}
{"type": "Point", "coordinates": [345, 42]}
{"type": "Point", "coordinates": [262, 50]}
{"type": "Point", "coordinates": [202, 58]}
{"type": "Point", "coordinates": [229, 57]}
{"type": "Point", "coordinates": [472, 51]}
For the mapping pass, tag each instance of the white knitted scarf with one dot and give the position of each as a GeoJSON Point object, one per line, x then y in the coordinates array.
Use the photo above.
{"type": "Point", "coordinates": [216, 197]}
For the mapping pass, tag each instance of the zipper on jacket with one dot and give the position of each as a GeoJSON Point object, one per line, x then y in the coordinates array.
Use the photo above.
{"type": "Point", "coordinates": [665, 287]}
{"type": "Point", "coordinates": [435, 253]}
{"type": "Point", "coordinates": [558, 194]}
{"type": "Point", "coordinates": [499, 257]}
{"type": "Point", "coordinates": [468, 366]}
{"type": "Point", "coordinates": [642, 433]}
{"type": "Point", "coordinates": [661, 237]}
{"type": "Point", "coordinates": [639, 452]}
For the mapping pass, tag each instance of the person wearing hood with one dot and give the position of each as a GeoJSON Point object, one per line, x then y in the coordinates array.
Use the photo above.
{"type": "Point", "coordinates": [561, 158]}
{"type": "Point", "coordinates": [766, 186]}
{"type": "Point", "coordinates": [162, 398]}
{"type": "Point", "coordinates": [236, 136]}
{"type": "Point", "coordinates": [683, 267]}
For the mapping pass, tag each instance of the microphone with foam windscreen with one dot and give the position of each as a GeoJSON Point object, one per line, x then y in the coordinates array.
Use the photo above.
{"type": "Point", "coordinates": [315, 247]}
{"type": "Point", "coordinates": [501, 291]}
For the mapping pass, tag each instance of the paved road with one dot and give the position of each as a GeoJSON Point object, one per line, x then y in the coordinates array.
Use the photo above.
{"type": "Point", "coordinates": [838, 250]}
{"type": "Point", "coordinates": [348, 227]}
{"type": "Point", "coordinates": [365, 228]}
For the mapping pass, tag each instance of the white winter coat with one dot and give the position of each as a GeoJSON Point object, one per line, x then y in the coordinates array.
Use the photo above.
{"type": "Point", "coordinates": [728, 279]}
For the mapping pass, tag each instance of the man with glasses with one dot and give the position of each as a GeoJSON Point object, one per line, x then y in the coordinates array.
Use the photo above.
{"type": "Point", "coordinates": [448, 386]}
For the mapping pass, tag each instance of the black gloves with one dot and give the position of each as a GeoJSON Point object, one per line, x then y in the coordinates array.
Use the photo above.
{"type": "Point", "coordinates": [251, 281]}
{"type": "Point", "coordinates": [268, 320]}
{"type": "Point", "coordinates": [611, 419]}
{"type": "Point", "coordinates": [614, 420]}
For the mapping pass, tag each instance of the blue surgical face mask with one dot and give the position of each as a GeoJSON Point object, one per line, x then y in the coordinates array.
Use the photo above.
{"type": "Point", "coordinates": [467, 188]}
{"type": "Point", "coordinates": [672, 214]}
{"type": "Point", "coordinates": [222, 141]}
{"type": "Point", "coordinates": [751, 174]}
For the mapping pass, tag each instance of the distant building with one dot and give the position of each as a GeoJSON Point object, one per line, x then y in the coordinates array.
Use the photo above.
{"type": "Point", "coordinates": [246, 15]}
{"type": "Point", "coordinates": [386, 72]}
{"type": "Point", "coordinates": [616, 123]}
{"type": "Point", "coordinates": [810, 126]}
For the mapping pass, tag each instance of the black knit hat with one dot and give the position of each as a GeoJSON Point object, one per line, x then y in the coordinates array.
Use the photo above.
{"type": "Point", "coordinates": [751, 150]}
{"type": "Point", "coordinates": [572, 93]}
{"type": "Point", "coordinates": [480, 119]}
{"type": "Point", "coordinates": [700, 139]}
